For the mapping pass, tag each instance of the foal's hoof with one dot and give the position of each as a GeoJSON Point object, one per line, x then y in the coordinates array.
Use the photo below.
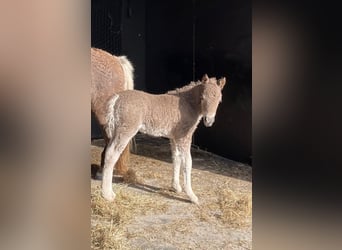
{"type": "Point", "coordinates": [177, 189]}
{"type": "Point", "coordinates": [194, 200]}
{"type": "Point", "coordinates": [109, 196]}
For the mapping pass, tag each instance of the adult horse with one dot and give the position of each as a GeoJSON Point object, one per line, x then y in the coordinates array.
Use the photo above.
{"type": "Point", "coordinates": [109, 75]}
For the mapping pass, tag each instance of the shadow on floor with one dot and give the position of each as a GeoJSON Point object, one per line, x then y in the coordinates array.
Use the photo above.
{"type": "Point", "coordinates": [159, 149]}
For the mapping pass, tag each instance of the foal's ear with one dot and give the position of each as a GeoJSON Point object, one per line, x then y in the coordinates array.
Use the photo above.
{"type": "Point", "coordinates": [221, 82]}
{"type": "Point", "coordinates": [205, 78]}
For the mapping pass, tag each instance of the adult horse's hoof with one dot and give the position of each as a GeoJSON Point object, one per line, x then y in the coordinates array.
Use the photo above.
{"type": "Point", "coordinates": [109, 196]}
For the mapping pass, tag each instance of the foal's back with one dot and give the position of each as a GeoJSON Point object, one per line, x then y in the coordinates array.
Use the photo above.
{"type": "Point", "coordinates": [144, 105]}
{"type": "Point", "coordinates": [156, 115]}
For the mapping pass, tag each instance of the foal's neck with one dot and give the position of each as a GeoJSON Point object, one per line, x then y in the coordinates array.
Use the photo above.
{"type": "Point", "coordinates": [193, 98]}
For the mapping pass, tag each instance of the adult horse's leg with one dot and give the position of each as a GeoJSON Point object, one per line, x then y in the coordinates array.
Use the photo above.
{"type": "Point", "coordinates": [106, 140]}
{"type": "Point", "coordinates": [121, 166]}
{"type": "Point", "coordinates": [187, 166]}
{"type": "Point", "coordinates": [176, 158]}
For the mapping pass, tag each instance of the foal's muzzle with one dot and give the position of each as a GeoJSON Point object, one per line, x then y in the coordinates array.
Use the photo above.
{"type": "Point", "coordinates": [208, 121]}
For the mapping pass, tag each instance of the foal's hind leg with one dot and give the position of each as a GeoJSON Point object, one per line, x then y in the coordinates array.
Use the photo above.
{"type": "Point", "coordinates": [122, 163]}
{"type": "Point", "coordinates": [110, 157]}
{"type": "Point", "coordinates": [113, 150]}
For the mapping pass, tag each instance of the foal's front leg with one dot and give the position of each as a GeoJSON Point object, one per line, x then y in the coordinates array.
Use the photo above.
{"type": "Point", "coordinates": [177, 161]}
{"type": "Point", "coordinates": [187, 166]}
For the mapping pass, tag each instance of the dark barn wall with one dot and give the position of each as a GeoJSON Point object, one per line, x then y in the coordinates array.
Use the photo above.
{"type": "Point", "coordinates": [174, 42]}
{"type": "Point", "coordinates": [222, 44]}
{"type": "Point", "coordinates": [133, 38]}
{"type": "Point", "coordinates": [223, 48]}
{"type": "Point", "coordinates": [169, 44]}
{"type": "Point", "coordinates": [106, 25]}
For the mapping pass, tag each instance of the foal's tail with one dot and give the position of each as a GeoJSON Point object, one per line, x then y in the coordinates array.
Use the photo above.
{"type": "Point", "coordinates": [128, 70]}
{"type": "Point", "coordinates": [110, 120]}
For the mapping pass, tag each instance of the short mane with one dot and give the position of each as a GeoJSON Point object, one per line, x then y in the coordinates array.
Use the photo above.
{"type": "Point", "coordinates": [191, 85]}
{"type": "Point", "coordinates": [184, 88]}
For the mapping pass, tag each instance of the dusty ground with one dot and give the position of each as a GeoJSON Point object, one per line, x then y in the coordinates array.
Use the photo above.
{"type": "Point", "coordinates": [147, 215]}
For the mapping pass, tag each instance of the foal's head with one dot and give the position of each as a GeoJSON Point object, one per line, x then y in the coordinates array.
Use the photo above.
{"type": "Point", "coordinates": [211, 97]}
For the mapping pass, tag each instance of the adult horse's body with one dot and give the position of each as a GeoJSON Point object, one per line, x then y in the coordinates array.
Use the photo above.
{"type": "Point", "coordinates": [109, 75]}
{"type": "Point", "coordinates": [174, 115]}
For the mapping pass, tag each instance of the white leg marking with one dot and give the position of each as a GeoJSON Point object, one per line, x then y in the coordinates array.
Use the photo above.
{"type": "Point", "coordinates": [111, 157]}
{"type": "Point", "coordinates": [114, 149]}
{"type": "Point", "coordinates": [176, 168]}
{"type": "Point", "coordinates": [187, 177]}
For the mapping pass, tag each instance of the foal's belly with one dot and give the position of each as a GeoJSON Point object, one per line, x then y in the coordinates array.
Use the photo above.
{"type": "Point", "coordinates": [154, 131]}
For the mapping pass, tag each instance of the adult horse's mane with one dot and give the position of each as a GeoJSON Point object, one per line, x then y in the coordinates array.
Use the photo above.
{"type": "Point", "coordinates": [191, 85]}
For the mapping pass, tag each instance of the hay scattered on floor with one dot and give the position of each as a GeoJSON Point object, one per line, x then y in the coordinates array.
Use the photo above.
{"type": "Point", "coordinates": [104, 238]}
{"type": "Point", "coordinates": [232, 209]}
{"type": "Point", "coordinates": [236, 208]}
{"type": "Point", "coordinates": [109, 218]}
